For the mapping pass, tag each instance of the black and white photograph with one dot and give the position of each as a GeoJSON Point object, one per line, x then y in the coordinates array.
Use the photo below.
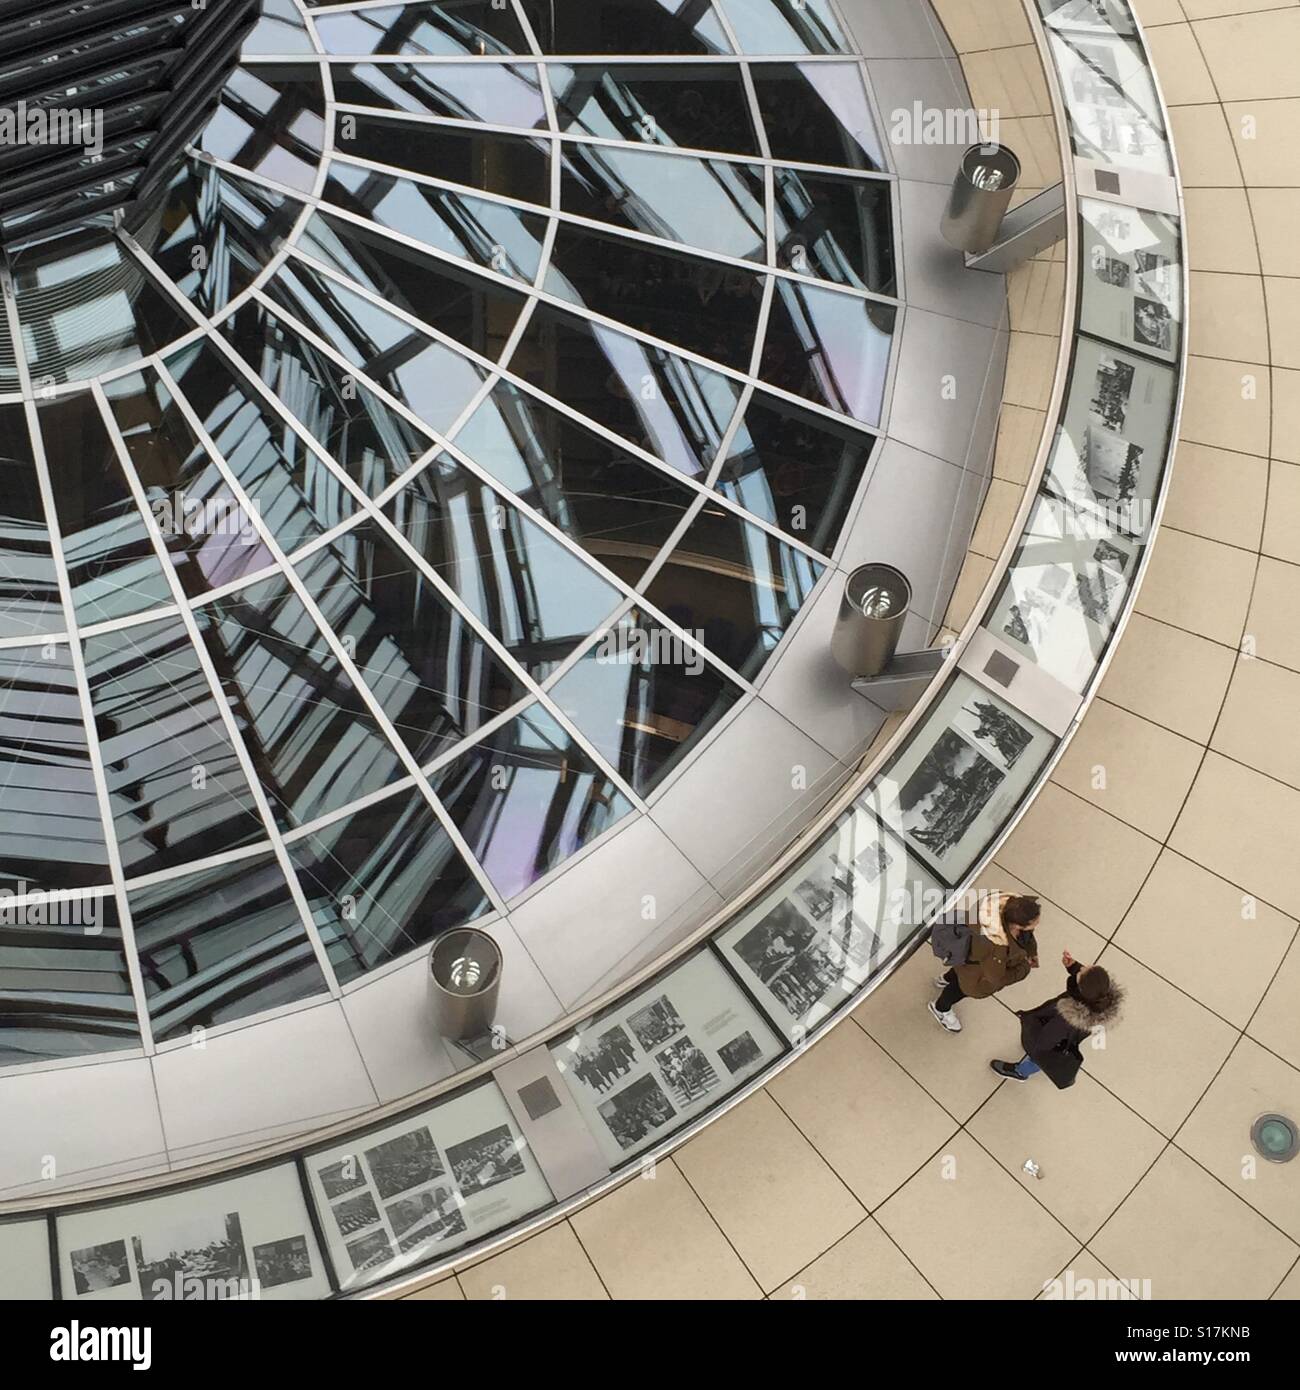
{"type": "Point", "coordinates": [344, 1176]}
{"type": "Point", "coordinates": [740, 1052]}
{"type": "Point", "coordinates": [1153, 325]}
{"type": "Point", "coordinates": [1099, 16]}
{"type": "Point", "coordinates": [1112, 271]}
{"type": "Point", "coordinates": [485, 1160]}
{"type": "Point", "coordinates": [806, 980]}
{"type": "Point", "coordinates": [1114, 112]}
{"type": "Point", "coordinates": [354, 1214]}
{"type": "Point", "coordinates": [1111, 556]}
{"type": "Point", "coordinates": [655, 1023]}
{"type": "Point", "coordinates": [603, 1062]}
{"type": "Point", "coordinates": [1110, 463]}
{"type": "Point", "coordinates": [873, 861]}
{"type": "Point", "coordinates": [687, 1072]}
{"type": "Point", "coordinates": [1112, 389]}
{"type": "Point", "coordinates": [636, 1111]}
{"type": "Point", "coordinates": [209, 1250]}
{"type": "Point", "coordinates": [947, 791]}
{"type": "Point", "coordinates": [282, 1262]}
{"type": "Point", "coordinates": [370, 1251]}
{"type": "Point", "coordinates": [825, 893]}
{"type": "Point", "coordinates": [993, 729]}
{"type": "Point", "coordinates": [436, 1212]}
{"type": "Point", "coordinates": [772, 943]}
{"type": "Point", "coordinates": [410, 1160]}
{"type": "Point", "coordinates": [1132, 294]}
{"type": "Point", "coordinates": [98, 1267]}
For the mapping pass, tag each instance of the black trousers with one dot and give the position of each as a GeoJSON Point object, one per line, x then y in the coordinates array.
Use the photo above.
{"type": "Point", "coordinates": [952, 992]}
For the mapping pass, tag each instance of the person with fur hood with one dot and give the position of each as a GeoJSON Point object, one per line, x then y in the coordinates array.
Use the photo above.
{"type": "Point", "coordinates": [1051, 1034]}
{"type": "Point", "coordinates": [1002, 952]}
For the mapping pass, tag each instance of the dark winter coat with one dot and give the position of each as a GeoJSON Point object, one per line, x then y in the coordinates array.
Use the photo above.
{"type": "Point", "coordinates": [1053, 1032]}
{"type": "Point", "coordinates": [992, 966]}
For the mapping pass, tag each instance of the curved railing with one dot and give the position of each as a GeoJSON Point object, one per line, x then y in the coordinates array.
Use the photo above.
{"type": "Point", "coordinates": [546, 1125]}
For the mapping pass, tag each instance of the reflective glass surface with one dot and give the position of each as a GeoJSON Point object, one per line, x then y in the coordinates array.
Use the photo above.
{"type": "Point", "coordinates": [271, 121]}
{"type": "Point", "coordinates": [29, 587]}
{"type": "Point", "coordinates": [627, 26]}
{"type": "Point", "coordinates": [785, 26]}
{"type": "Point", "coordinates": [836, 229]}
{"type": "Point", "coordinates": [448, 29]}
{"type": "Point", "coordinates": [490, 92]}
{"type": "Point", "coordinates": [817, 113]}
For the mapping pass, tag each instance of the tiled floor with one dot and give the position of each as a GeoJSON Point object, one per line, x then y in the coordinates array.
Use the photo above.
{"type": "Point", "coordinates": [888, 1162]}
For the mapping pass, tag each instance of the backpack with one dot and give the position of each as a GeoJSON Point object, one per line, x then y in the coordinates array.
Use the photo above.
{"type": "Point", "coordinates": [950, 941]}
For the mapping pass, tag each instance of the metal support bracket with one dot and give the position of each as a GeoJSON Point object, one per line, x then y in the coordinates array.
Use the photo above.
{"type": "Point", "coordinates": [899, 685]}
{"type": "Point", "coordinates": [1036, 224]}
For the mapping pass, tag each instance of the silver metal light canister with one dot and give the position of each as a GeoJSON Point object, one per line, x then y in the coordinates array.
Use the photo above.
{"type": "Point", "coordinates": [870, 621]}
{"type": "Point", "coordinates": [464, 982]}
{"type": "Point", "coordinates": [981, 194]}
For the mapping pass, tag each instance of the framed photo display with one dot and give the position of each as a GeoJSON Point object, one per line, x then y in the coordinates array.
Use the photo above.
{"type": "Point", "coordinates": [1110, 450]}
{"type": "Point", "coordinates": [654, 1062]}
{"type": "Point", "coordinates": [1064, 590]}
{"type": "Point", "coordinates": [1088, 16]}
{"type": "Point", "coordinates": [960, 776]}
{"type": "Point", "coordinates": [424, 1185]}
{"type": "Point", "coordinates": [803, 950]}
{"type": "Point", "coordinates": [25, 1260]}
{"type": "Point", "coordinates": [249, 1237]}
{"type": "Point", "coordinates": [1132, 277]}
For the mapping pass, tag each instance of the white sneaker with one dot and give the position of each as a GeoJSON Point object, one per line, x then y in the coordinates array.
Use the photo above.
{"type": "Point", "coordinates": [940, 982]}
{"type": "Point", "coordinates": [949, 1020]}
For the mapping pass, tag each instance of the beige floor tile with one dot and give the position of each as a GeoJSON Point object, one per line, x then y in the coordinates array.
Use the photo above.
{"type": "Point", "coordinates": [1091, 1149]}
{"type": "Point", "coordinates": [1281, 534]}
{"type": "Point", "coordinates": [996, 516]}
{"type": "Point", "coordinates": [547, 1266]}
{"type": "Point", "coordinates": [1244, 827]}
{"type": "Point", "coordinates": [952, 1067]}
{"type": "Point", "coordinates": [1184, 77]}
{"type": "Point", "coordinates": [862, 1112]}
{"type": "Point", "coordinates": [1206, 155]}
{"type": "Point", "coordinates": [971, 1229]}
{"type": "Point", "coordinates": [1198, 585]}
{"type": "Point", "coordinates": [1217, 1133]}
{"type": "Point", "coordinates": [1234, 1252]}
{"type": "Point", "coordinates": [1277, 1022]}
{"type": "Point", "coordinates": [653, 1238]}
{"type": "Point", "coordinates": [1086, 1279]}
{"type": "Point", "coordinates": [1170, 676]}
{"type": "Point", "coordinates": [1276, 213]}
{"type": "Point", "coordinates": [865, 1265]}
{"type": "Point", "coordinates": [1060, 846]}
{"type": "Point", "coordinates": [1272, 621]}
{"type": "Point", "coordinates": [1290, 1286]}
{"type": "Point", "coordinates": [445, 1290]}
{"type": "Point", "coordinates": [775, 1197]}
{"type": "Point", "coordinates": [1263, 134]}
{"type": "Point", "coordinates": [1019, 433]}
{"type": "Point", "coordinates": [1227, 316]}
{"type": "Point", "coordinates": [1217, 494]}
{"type": "Point", "coordinates": [1283, 298]}
{"type": "Point", "coordinates": [1260, 719]}
{"type": "Point", "coordinates": [1129, 767]}
{"type": "Point", "coordinates": [1251, 56]}
{"type": "Point", "coordinates": [970, 584]}
{"type": "Point", "coordinates": [1220, 233]}
{"type": "Point", "coordinates": [1162, 1051]}
{"type": "Point", "coordinates": [1227, 404]}
{"type": "Point", "coordinates": [1208, 9]}
{"type": "Point", "coordinates": [1193, 928]}
{"type": "Point", "coordinates": [1285, 387]}
{"type": "Point", "coordinates": [1031, 362]}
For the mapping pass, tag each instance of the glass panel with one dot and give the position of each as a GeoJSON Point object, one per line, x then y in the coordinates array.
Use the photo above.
{"type": "Point", "coordinates": [817, 113]}
{"type": "Point", "coordinates": [512, 165]}
{"type": "Point", "coordinates": [829, 347]}
{"type": "Point", "coordinates": [703, 306]}
{"type": "Point", "coordinates": [209, 536]}
{"type": "Point", "coordinates": [525, 798]}
{"type": "Point", "coordinates": [278, 30]}
{"type": "Point", "coordinates": [29, 586]}
{"type": "Point", "coordinates": [488, 234]}
{"type": "Point", "coordinates": [839, 229]}
{"type": "Point", "coordinates": [627, 26]}
{"type": "Point", "coordinates": [641, 696]}
{"type": "Point", "coordinates": [735, 586]}
{"type": "Point", "coordinates": [384, 881]}
{"type": "Point", "coordinates": [491, 92]}
{"type": "Point", "coordinates": [786, 26]}
{"type": "Point", "coordinates": [311, 736]}
{"type": "Point", "coordinates": [295, 496]}
{"type": "Point", "coordinates": [64, 986]}
{"type": "Point", "coordinates": [620, 509]}
{"type": "Point", "coordinates": [244, 1237]}
{"type": "Point", "coordinates": [424, 1185]}
{"type": "Point", "coordinates": [25, 1260]}
{"type": "Point", "coordinates": [798, 470]}
{"type": "Point", "coordinates": [831, 924]}
{"type": "Point", "coordinates": [430, 671]}
{"type": "Point", "coordinates": [960, 777]}
{"type": "Point", "coordinates": [1132, 277]}
{"type": "Point", "coordinates": [1100, 16]}
{"type": "Point", "coordinates": [449, 29]}
{"type": "Point", "coordinates": [709, 203]}
{"type": "Point", "coordinates": [527, 589]}
{"type": "Point", "coordinates": [671, 407]}
{"type": "Point", "coordinates": [698, 105]}
{"type": "Point", "coordinates": [174, 782]}
{"type": "Point", "coordinates": [271, 121]}
{"type": "Point", "coordinates": [1064, 590]}
{"type": "Point", "coordinates": [51, 835]}
{"type": "Point", "coordinates": [85, 312]}
{"type": "Point", "coordinates": [653, 1062]}
{"type": "Point", "coordinates": [432, 380]}
{"type": "Point", "coordinates": [220, 945]}
{"type": "Point", "coordinates": [369, 439]}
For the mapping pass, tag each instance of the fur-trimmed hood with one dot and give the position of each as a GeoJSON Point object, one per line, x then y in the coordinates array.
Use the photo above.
{"type": "Point", "coordinates": [1079, 1015]}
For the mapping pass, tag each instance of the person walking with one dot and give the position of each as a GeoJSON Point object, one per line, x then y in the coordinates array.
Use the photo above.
{"type": "Point", "coordinates": [1051, 1034]}
{"type": "Point", "coordinates": [1002, 952]}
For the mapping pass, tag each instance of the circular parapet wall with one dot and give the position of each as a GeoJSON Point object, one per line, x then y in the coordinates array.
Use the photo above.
{"type": "Point", "coordinates": [551, 1122]}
